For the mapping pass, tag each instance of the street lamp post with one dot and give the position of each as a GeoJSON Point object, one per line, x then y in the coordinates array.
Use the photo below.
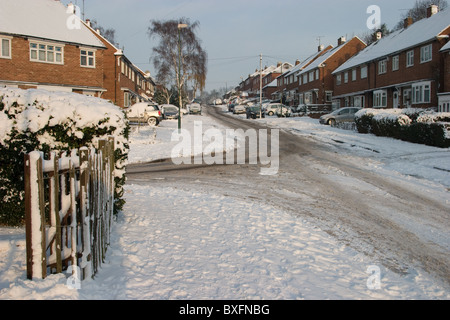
{"type": "Point", "coordinates": [180, 26]}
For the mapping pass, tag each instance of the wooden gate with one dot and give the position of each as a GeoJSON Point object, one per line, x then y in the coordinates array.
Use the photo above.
{"type": "Point", "coordinates": [69, 209]}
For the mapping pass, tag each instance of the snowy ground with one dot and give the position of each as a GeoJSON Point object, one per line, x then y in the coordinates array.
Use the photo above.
{"type": "Point", "coordinates": [192, 244]}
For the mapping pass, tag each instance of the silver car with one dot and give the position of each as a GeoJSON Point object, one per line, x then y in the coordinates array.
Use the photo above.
{"type": "Point", "coordinates": [145, 113]}
{"type": "Point", "coordinates": [340, 115]}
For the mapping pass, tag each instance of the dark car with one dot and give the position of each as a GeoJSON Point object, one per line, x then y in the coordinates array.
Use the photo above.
{"type": "Point", "coordinates": [254, 112]}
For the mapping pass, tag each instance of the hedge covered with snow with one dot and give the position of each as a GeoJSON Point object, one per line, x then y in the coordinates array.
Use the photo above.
{"type": "Point", "coordinates": [413, 125]}
{"type": "Point", "coordinates": [46, 121]}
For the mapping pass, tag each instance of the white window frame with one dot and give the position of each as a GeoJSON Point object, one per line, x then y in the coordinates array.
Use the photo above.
{"type": "Point", "coordinates": [338, 79]}
{"type": "Point", "coordinates": [421, 92]}
{"type": "Point", "coordinates": [364, 72]}
{"type": "Point", "coordinates": [346, 77]}
{"type": "Point", "coordinates": [410, 58]}
{"type": "Point", "coordinates": [380, 99]}
{"type": "Point", "coordinates": [382, 66]}
{"type": "Point", "coordinates": [407, 97]}
{"type": "Point", "coordinates": [311, 76]}
{"type": "Point", "coordinates": [305, 78]}
{"type": "Point", "coordinates": [328, 96]}
{"type": "Point", "coordinates": [9, 40]}
{"type": "Point", "coordinates": [46, 48]}
{"type": "Point", "coordinates": [88, 57]}
{"type": "Point", "coordinates": [426, 53]}
{"type": "Point", "coordinates": [395, 63]}
{"type": "Point", "coordinates": [354, 75]}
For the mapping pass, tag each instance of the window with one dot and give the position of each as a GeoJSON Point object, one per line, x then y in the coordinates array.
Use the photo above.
{"type": "Point", "coordinates": [395, 63]}
{"type": "Point", "coordinates": [300, 98]}
{"type": "Point", "coordinates": [426, 53]}
{"type": "Point", "coordinates": [5, 48]}
{"type": "Point", "coordinates": [421, 92]}
{"type": "Point", "coordinates": [42, 52]}
{"type": "Point", "coordinates": [354, 75]}
{"type": "Point", "coordinates": [410, 58]}
{"type": "Point", "coordinates": [311, 76]}
{"type": "Point", "coordinates": [317, 74]}
{"type": "Point", "coordinates": [346, 77]}
{"type": "Point", "coordinates": [382, 66]}
{"type": "Point", "coordinates": [380, 99]}
{"type": "Point", "coordinates": [339, 79]}
{"type": "Point", "coordinates": [300, 81]}
{"type": "Point", "coordinates": [87, 58]}
{"type": "Point", "coordinates": [364, 72]}
{"type": "Point", "coordinates": [305, 78]}
{"type": "Point", "coordinates": [358, 101]}
{"type": "Point", "coordinates": [328, 96]}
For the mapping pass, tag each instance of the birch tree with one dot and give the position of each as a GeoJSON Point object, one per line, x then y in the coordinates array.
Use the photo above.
{"type": "Point", "coordinates": [179, 56]}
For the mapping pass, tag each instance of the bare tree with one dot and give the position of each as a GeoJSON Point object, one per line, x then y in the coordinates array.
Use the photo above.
{"type": "Point", "coordinates": [419, 11]}
{"type": "Point", "coordinates": [173, 44]}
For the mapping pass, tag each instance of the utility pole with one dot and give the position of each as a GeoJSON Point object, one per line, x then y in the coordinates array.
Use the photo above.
{"type": "Point", "coordinates": [260, 86]}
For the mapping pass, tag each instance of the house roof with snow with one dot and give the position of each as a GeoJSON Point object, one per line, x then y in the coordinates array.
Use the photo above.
{"type": "Point", "coordinates": [319, 62]}
{"type": "Point", "coordinates": [446, 47]}
{"type": "Point", "coordinates": [46, 20]}
{"type": "Point", "coordinates": [421, 32]}
{"type": "Point", "coordinates": [299, 67]}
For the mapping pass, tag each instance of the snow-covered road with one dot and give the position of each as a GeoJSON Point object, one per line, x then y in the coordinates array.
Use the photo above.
{"type": "Point", "coordinates": [193, 236]}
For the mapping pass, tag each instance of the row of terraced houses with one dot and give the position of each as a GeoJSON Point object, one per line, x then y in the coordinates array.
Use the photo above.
{"type": "Point", "coordinates": [44, 45]}
{"type": "Point", "coordinates": [407, 68]}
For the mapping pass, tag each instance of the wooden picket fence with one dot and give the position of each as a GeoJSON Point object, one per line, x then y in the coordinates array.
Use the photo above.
{"type": "Point", "coordinates": [69, 203]}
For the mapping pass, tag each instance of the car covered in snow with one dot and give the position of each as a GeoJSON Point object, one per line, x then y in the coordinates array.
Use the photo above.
{"type": "Point", "coordinates": [144, 113]}
{"type": "Point", "coordinates": [169, 111]}
{"type": "Point", "coordinates": [195, 108]}
{"type": "Point", "coordinates": [271, 108]}
{"type": "Point", "coordinates": [340, 115]}
{"type": "Point", "coordinates": [239, 109]}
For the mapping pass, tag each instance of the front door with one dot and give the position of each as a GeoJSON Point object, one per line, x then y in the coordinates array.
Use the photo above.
{"type": "Point", "coordinates": [395, 102]}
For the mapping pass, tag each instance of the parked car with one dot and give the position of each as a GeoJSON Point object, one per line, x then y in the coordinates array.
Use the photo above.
{"type": "Point", "coordinates": [239, 108]}
{"type": "Point", "coordinates": [283, 111]}
{"type": "Point", "coordinates": [254, 112]}
{"type": "Point", "coordinates": [195, 108]}
{"type": "Point", "coordinates": [271, 108]}
{"type": "Point", "coordinates": [340, 115]}
{"type": "Point", "coordinates": [145, 113]}
{"type": "Point", "coordinates": [169, 111]}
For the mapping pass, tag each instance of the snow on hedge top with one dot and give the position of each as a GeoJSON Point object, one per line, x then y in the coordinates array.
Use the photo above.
{"type": "Point", "coordinates": [421, 32]}
{"type": "Point", "coordinates": [45, 19]}
{"type": "Point", "coordinates": [34, 109]}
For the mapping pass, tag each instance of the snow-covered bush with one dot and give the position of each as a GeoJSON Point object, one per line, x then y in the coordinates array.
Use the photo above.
{"type": "Point", "coordinates": [414, 125]}
{"type": "Point", "coordinates": [45, 121]}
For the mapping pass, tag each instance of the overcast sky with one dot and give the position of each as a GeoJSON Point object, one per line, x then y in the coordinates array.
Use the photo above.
{"type": "Point", "coordinates": [235, 32]}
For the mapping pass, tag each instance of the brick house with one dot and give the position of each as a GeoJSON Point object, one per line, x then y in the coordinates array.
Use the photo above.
{"type": "Point", "coordinates": [315, 81]}
{"type": "Point", "coordinates": [444, 95]}
{"type": "Point", "coordinates": [287, 83]}
{"type": "Point", "coordinates": [269, 80]}
{"type": "Point", "coordinates": [43, 46]}
{"type": "Point", "coordinates": [124, 82]}
{"type": "Point", "coordinates": [403, 69]}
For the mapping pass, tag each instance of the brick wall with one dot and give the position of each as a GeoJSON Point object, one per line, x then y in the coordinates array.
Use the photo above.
{"type": "Point", "coordinates": [21, 69]}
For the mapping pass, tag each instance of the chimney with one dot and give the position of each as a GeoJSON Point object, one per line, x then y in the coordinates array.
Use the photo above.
{"type": "Point", "coordinates": [341, 41]}
{"type": "Point", "coordinates": [297, 62]}
{"type": "Point", "coordinates": [408, 21]}
{"type": "Point", "coordinates": [88, 22]}
{"type": "Point", "coordinates": [379, 34]}
{"type": "Point", "coordinates": [279, 64]}
{"type": "Point", "coordinates": [432, 10]}
{"type": "Point", "coordinates": [321, 47]}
